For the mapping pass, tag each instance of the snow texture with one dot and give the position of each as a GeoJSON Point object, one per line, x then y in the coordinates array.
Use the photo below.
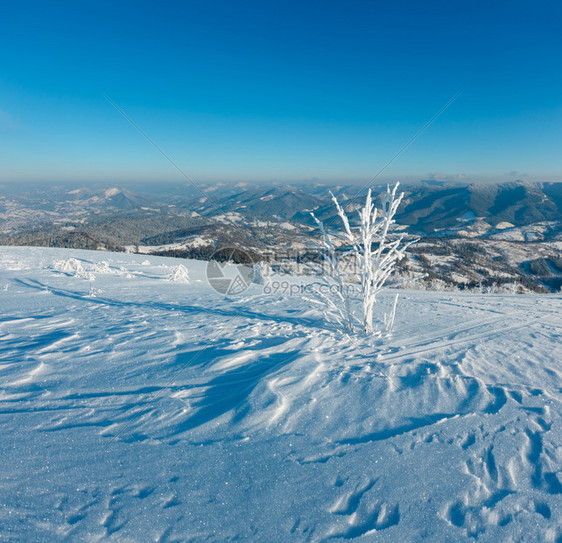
{"type": "Point", "coordinates": [162, 411]}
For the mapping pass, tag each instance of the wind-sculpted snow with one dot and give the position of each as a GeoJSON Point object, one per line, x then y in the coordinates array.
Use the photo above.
{"type": "Point", "coordinates": [137, 408]}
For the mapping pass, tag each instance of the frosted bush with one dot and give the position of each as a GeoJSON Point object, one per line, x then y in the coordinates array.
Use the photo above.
{"type": "Point", "coordinates": [73, 267]}
{"type": "Point", "coordinates": [103, 268]}
{"type": "Point", "coordinates": [375, 253]}
{"type": "Point", "coordinates": [179, 274]}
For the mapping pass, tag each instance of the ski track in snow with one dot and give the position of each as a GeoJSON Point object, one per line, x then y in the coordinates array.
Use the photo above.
{"type": "Point", "coordinates": [133, 407]}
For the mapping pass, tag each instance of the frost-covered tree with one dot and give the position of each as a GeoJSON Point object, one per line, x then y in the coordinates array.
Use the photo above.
{"type": "Point", "coordinates": [375, 253]}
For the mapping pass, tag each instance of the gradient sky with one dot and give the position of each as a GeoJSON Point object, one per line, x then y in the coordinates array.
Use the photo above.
{"type": "Point", "coordinates": [286, 90]}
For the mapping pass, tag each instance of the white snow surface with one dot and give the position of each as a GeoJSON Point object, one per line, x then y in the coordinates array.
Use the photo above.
{"type": "Point", "coordinates": [134, 408]}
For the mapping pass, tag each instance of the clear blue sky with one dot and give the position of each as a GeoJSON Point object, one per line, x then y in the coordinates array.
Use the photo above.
{"type": "Point", "coordinates": [287, 90]}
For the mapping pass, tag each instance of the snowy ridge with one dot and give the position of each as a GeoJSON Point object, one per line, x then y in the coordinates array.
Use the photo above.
{"type": "Point", "coordinates": [162, 411]}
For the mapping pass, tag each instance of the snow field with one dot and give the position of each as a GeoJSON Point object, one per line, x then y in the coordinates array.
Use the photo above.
{"type": "Point", "coordinates": [137, 408]}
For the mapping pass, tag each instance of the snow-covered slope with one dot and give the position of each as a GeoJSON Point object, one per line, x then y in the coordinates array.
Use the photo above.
{"type": "Point", "coordinates": [136, 408]}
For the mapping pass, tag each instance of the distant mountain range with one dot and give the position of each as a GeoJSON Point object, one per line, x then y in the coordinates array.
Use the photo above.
{"type": "Point", "coordinates": [432, 208]}
{"type": "Point", "coordinates": [473, 235]}
{"type": "Point", "coordinates": [429, 207]}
